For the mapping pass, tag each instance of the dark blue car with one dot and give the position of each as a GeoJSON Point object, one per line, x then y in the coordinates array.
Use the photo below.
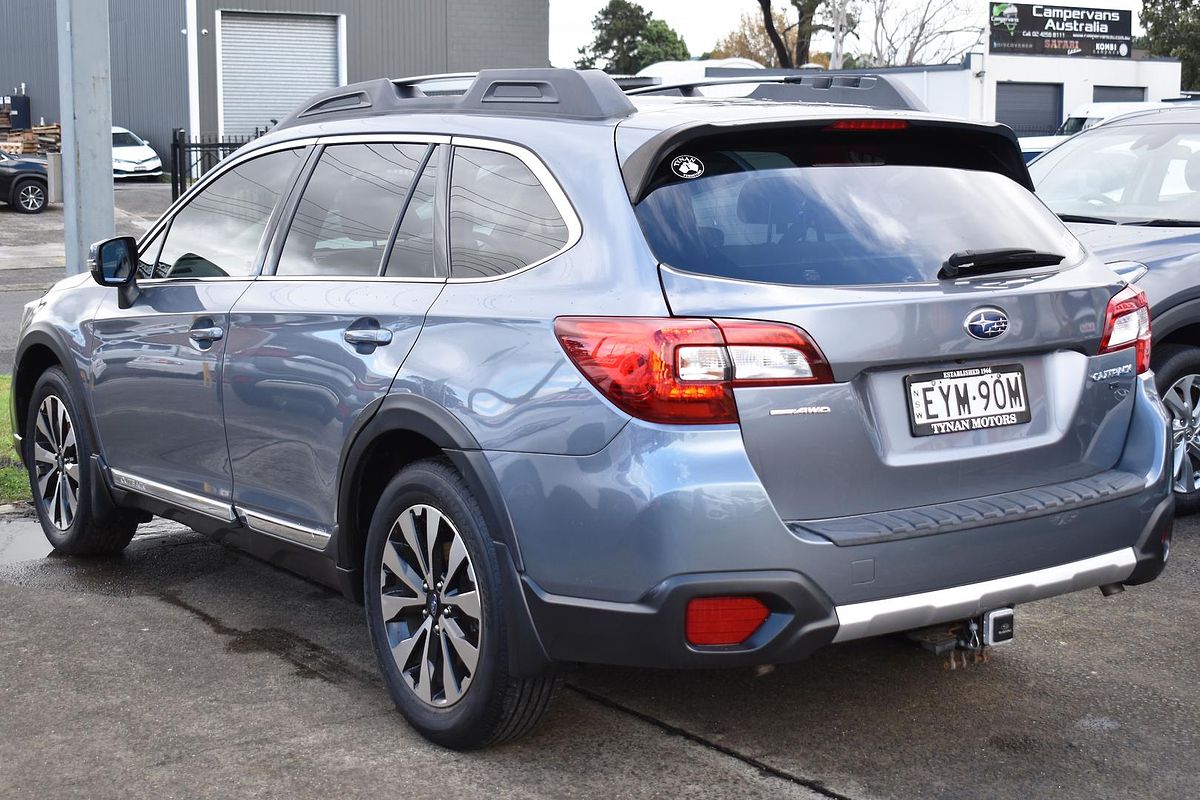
{"type": "Point", "coordinates": [23, 183]}
{"type": "Point", "coordinates": [1130, 190]}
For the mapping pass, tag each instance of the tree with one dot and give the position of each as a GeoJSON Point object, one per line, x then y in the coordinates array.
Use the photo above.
{"type": "Point", "coordinates": [1173, 29]}
{"type": "Point", "coordinates": [661, 43]}
{"type": "Point", "coordinates": [926, 32]}
{"type": "Point", "coordinates": [750, 40]}
{"type": "Point", "coordinates": [811, 16]}
{"type": "Point", "coordinates": [628, 38]}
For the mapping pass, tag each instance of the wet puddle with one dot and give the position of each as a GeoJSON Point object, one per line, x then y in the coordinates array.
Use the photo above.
{"type": "Point", "coordinates": [21, 539]}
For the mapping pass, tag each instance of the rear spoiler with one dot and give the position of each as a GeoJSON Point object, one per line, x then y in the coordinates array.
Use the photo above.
{"type": "Point", "coordinates": [638, 168]}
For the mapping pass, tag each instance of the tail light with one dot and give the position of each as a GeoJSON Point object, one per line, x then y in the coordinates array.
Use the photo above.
{"type": "Point", "coordinates": [1127, 324]}
{"type": "Point", "coordinates": [714, 621]}
{"type": "Point", "coordinates": [683, 371]}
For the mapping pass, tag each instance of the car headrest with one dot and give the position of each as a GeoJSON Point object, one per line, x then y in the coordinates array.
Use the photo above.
{"type": "Point", "coordinates": [1191, 172]}
{"type": "Point", "coordinates": [769, 199]}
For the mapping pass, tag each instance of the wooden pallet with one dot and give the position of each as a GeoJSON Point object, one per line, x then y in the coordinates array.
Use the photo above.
{"type": "Point", "coordinates": [13, 148]}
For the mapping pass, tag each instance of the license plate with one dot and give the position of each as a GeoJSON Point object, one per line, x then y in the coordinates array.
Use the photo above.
{"type": "Point", "coordinates": [970, 399]}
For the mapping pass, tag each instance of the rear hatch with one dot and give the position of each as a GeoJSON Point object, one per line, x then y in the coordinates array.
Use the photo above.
{"type": "Point", "coordinates": [938, 389]}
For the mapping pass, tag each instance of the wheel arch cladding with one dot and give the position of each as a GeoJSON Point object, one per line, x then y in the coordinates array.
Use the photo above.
{"type": "Point", "coordinates": [37, 354]}
{"type": "Point", "coordinates": [393, 432]}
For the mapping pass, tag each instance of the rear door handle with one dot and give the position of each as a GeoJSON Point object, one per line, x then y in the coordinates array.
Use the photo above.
{"type": "Point", "coordinates": [209, 334]}
{"type": "Point", "coordinates": [370, 336]}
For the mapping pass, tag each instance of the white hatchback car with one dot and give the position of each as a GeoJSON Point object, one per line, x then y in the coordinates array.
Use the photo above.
{"type": "Point", "coordinates": [132, 156]}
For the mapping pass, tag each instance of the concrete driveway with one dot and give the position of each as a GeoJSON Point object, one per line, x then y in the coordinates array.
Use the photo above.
{"type": "Point", "coordinates": [32, 256]}
{"type": "Point", "coordinates": [186, 669]}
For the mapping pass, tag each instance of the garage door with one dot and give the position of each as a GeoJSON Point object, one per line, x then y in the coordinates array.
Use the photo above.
{"type": "Point", "coordinates": [1030, 109]}
{"type": "Point", "coordinates": [270, 63]}
{"type": "Point", "coordinates": [1118, 94]}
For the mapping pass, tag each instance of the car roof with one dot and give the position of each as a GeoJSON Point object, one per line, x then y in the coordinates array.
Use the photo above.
{"type": "Point", "coordinates": [1185, 113]}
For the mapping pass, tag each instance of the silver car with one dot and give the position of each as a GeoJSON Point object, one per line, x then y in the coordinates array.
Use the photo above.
{"type": "Point", "coordinates": [542, 374]}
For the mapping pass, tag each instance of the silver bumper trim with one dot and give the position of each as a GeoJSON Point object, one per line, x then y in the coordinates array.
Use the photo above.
{"type": "Point", "coordinates": [893, 614]}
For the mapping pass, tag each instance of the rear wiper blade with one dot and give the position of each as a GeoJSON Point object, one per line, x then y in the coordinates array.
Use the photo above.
{"type": "Point", "coordinates": [1084, 218]}
{"type": "Point", "coordinates": [977, 262]}
{"type": "Point", "coordinates": [1166, 223]}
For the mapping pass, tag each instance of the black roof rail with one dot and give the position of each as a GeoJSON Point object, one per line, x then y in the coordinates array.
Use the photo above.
{"type": "Point", "coordinates": [875, 91]}
{"type": "Point", "coordinates": [552, 93]}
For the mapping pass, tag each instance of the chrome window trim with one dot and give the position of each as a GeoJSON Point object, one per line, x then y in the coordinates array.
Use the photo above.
{"type": "Point", "coordinates": [343, 279]}
{"type": "Point", "coordinates": [232, 161]}
{"type": "Point", "coordinates": [282, 529]}
{"type": "Point", "coordinates": [894, 614]}
{"type": "Point", "coordinates": [552, 187]}
{"type": "Point", "coordinates": [382, 138]}
{"type": "Point", "coordinates": [169, 494]}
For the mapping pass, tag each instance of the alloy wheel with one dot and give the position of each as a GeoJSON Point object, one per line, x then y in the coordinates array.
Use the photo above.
{"type": "Point", "coordinates": [1183, 404]}
{"type": "Point", "coordinates": [31, 197]}
{"type": "Point", "coordinates": [431, 605]}
{"type": "Point", "coordinates": [56, 462]}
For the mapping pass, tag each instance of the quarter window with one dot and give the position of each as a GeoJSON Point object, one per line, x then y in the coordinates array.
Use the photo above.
{"type": "Point", "coordinates": [345, 218]}
{"type": "Point", "coordinates": [217, 234]}
{"type": "Point", "coordinates": [501, 218]}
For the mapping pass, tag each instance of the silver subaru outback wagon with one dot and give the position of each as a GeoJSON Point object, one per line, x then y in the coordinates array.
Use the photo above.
{"type": "Point", "coordinates": [544, 373]}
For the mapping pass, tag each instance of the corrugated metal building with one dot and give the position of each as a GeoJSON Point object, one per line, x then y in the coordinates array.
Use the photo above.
{"type": "Point", "coordinates": [228, 67]}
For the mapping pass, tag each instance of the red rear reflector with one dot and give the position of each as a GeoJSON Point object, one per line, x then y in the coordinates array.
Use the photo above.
{"type": "Point", "coordinates": [723, 620]}
{"type": "Point", "coordinates": [1127, 324]}
{"type": "Point", "coordinates": [868, 125]}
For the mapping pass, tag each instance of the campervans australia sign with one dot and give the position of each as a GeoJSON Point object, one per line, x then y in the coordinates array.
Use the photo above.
{"type": "Point", "coordinates": [1037, 30]}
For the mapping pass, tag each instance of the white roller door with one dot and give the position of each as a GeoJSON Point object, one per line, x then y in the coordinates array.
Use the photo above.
{"type": "Point", "coordinates": [270, 63]}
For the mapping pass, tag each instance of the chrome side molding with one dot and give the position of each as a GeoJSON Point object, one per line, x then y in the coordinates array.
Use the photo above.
{"type": "Point", "coordinates": [169, 494]}
{"type": "Point", "coordinates": [225, 512]}
{"type": "Point", "coordinates": [273, 526]}
{"type": "Point", "coordinates": [894, 614]}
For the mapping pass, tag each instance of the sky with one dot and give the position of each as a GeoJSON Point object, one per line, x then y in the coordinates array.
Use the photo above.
{"type": "Point", "coordinates": [702, 23]}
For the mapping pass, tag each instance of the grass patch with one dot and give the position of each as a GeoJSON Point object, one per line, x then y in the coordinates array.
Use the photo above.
{"type": "Point", "coordinates": [14, 485]}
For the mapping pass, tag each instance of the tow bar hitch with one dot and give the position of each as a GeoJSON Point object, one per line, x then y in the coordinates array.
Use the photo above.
{"type": "Point", "coordinates": [968, 641]}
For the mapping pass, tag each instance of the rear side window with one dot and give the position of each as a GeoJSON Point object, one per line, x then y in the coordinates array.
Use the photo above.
{"type": "Point", "coordinates": [412, 250]}
{"type": "Point", "coordinates": [217, 234]}
{"type": "Point", "coordinates": [828, 210]}
{"type": "Point", "coordinates": [345, 217]}
{"type": "Point", "coordinates": [501, 218]}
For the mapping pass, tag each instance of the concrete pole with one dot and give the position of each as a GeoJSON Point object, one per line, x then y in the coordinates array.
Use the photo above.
{"type": "Point", "coordinates": [85, 92]}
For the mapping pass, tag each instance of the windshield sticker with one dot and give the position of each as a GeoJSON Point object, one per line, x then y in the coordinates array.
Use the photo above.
{"type": "Point", "coordinates": [687, 167]}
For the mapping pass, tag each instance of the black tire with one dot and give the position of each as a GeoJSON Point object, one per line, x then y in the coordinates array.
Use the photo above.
{"type": "Point", "coordinates": [1172, 363]}
{"type": "Point", "coordinates": [494, 707]}
{"type": "Point", "coordinates": [29, 196]}
{"type": "Point", "coordinates": [84, 535]}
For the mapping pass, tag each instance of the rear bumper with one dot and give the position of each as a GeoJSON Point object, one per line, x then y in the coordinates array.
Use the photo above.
{"type": "Point", "coordinates": [614, 545]}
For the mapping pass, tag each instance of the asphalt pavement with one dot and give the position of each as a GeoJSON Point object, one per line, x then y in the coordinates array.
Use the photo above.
{"type": "Point", "coordinates": [186, 669]}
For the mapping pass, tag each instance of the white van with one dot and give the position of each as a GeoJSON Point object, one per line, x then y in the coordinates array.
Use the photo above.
{"type": "Point", "coordinates": [1082, 118]}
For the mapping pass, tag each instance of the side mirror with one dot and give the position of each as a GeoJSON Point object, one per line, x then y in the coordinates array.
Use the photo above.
{"type": "Point", "coordinates": [114, 261]}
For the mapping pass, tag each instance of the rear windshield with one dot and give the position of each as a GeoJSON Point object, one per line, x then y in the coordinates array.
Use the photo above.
{"type": "Point", "coordinates": [830, 210]}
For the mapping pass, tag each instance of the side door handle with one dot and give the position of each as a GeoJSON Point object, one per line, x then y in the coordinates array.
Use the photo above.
{"type": "Point", "coordinates": [374, 337]}
{"type": "Point", "coordinates": [209, 334]}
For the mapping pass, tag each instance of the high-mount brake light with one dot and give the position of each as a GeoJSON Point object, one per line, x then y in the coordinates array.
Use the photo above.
{"type": "Point", "coordinates": [868, 125]}
{"type": "Point", "coordinates": [683, 371]}
{"type": "Point", "coordinates": [1127, 324]}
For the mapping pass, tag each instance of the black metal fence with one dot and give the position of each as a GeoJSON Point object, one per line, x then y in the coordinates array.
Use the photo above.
{"type": "Point", "coordinates": [192, 157]}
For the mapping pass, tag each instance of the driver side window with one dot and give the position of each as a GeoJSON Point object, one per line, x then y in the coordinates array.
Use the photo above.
{"type": "Point", "coordinates": [217, 234]}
